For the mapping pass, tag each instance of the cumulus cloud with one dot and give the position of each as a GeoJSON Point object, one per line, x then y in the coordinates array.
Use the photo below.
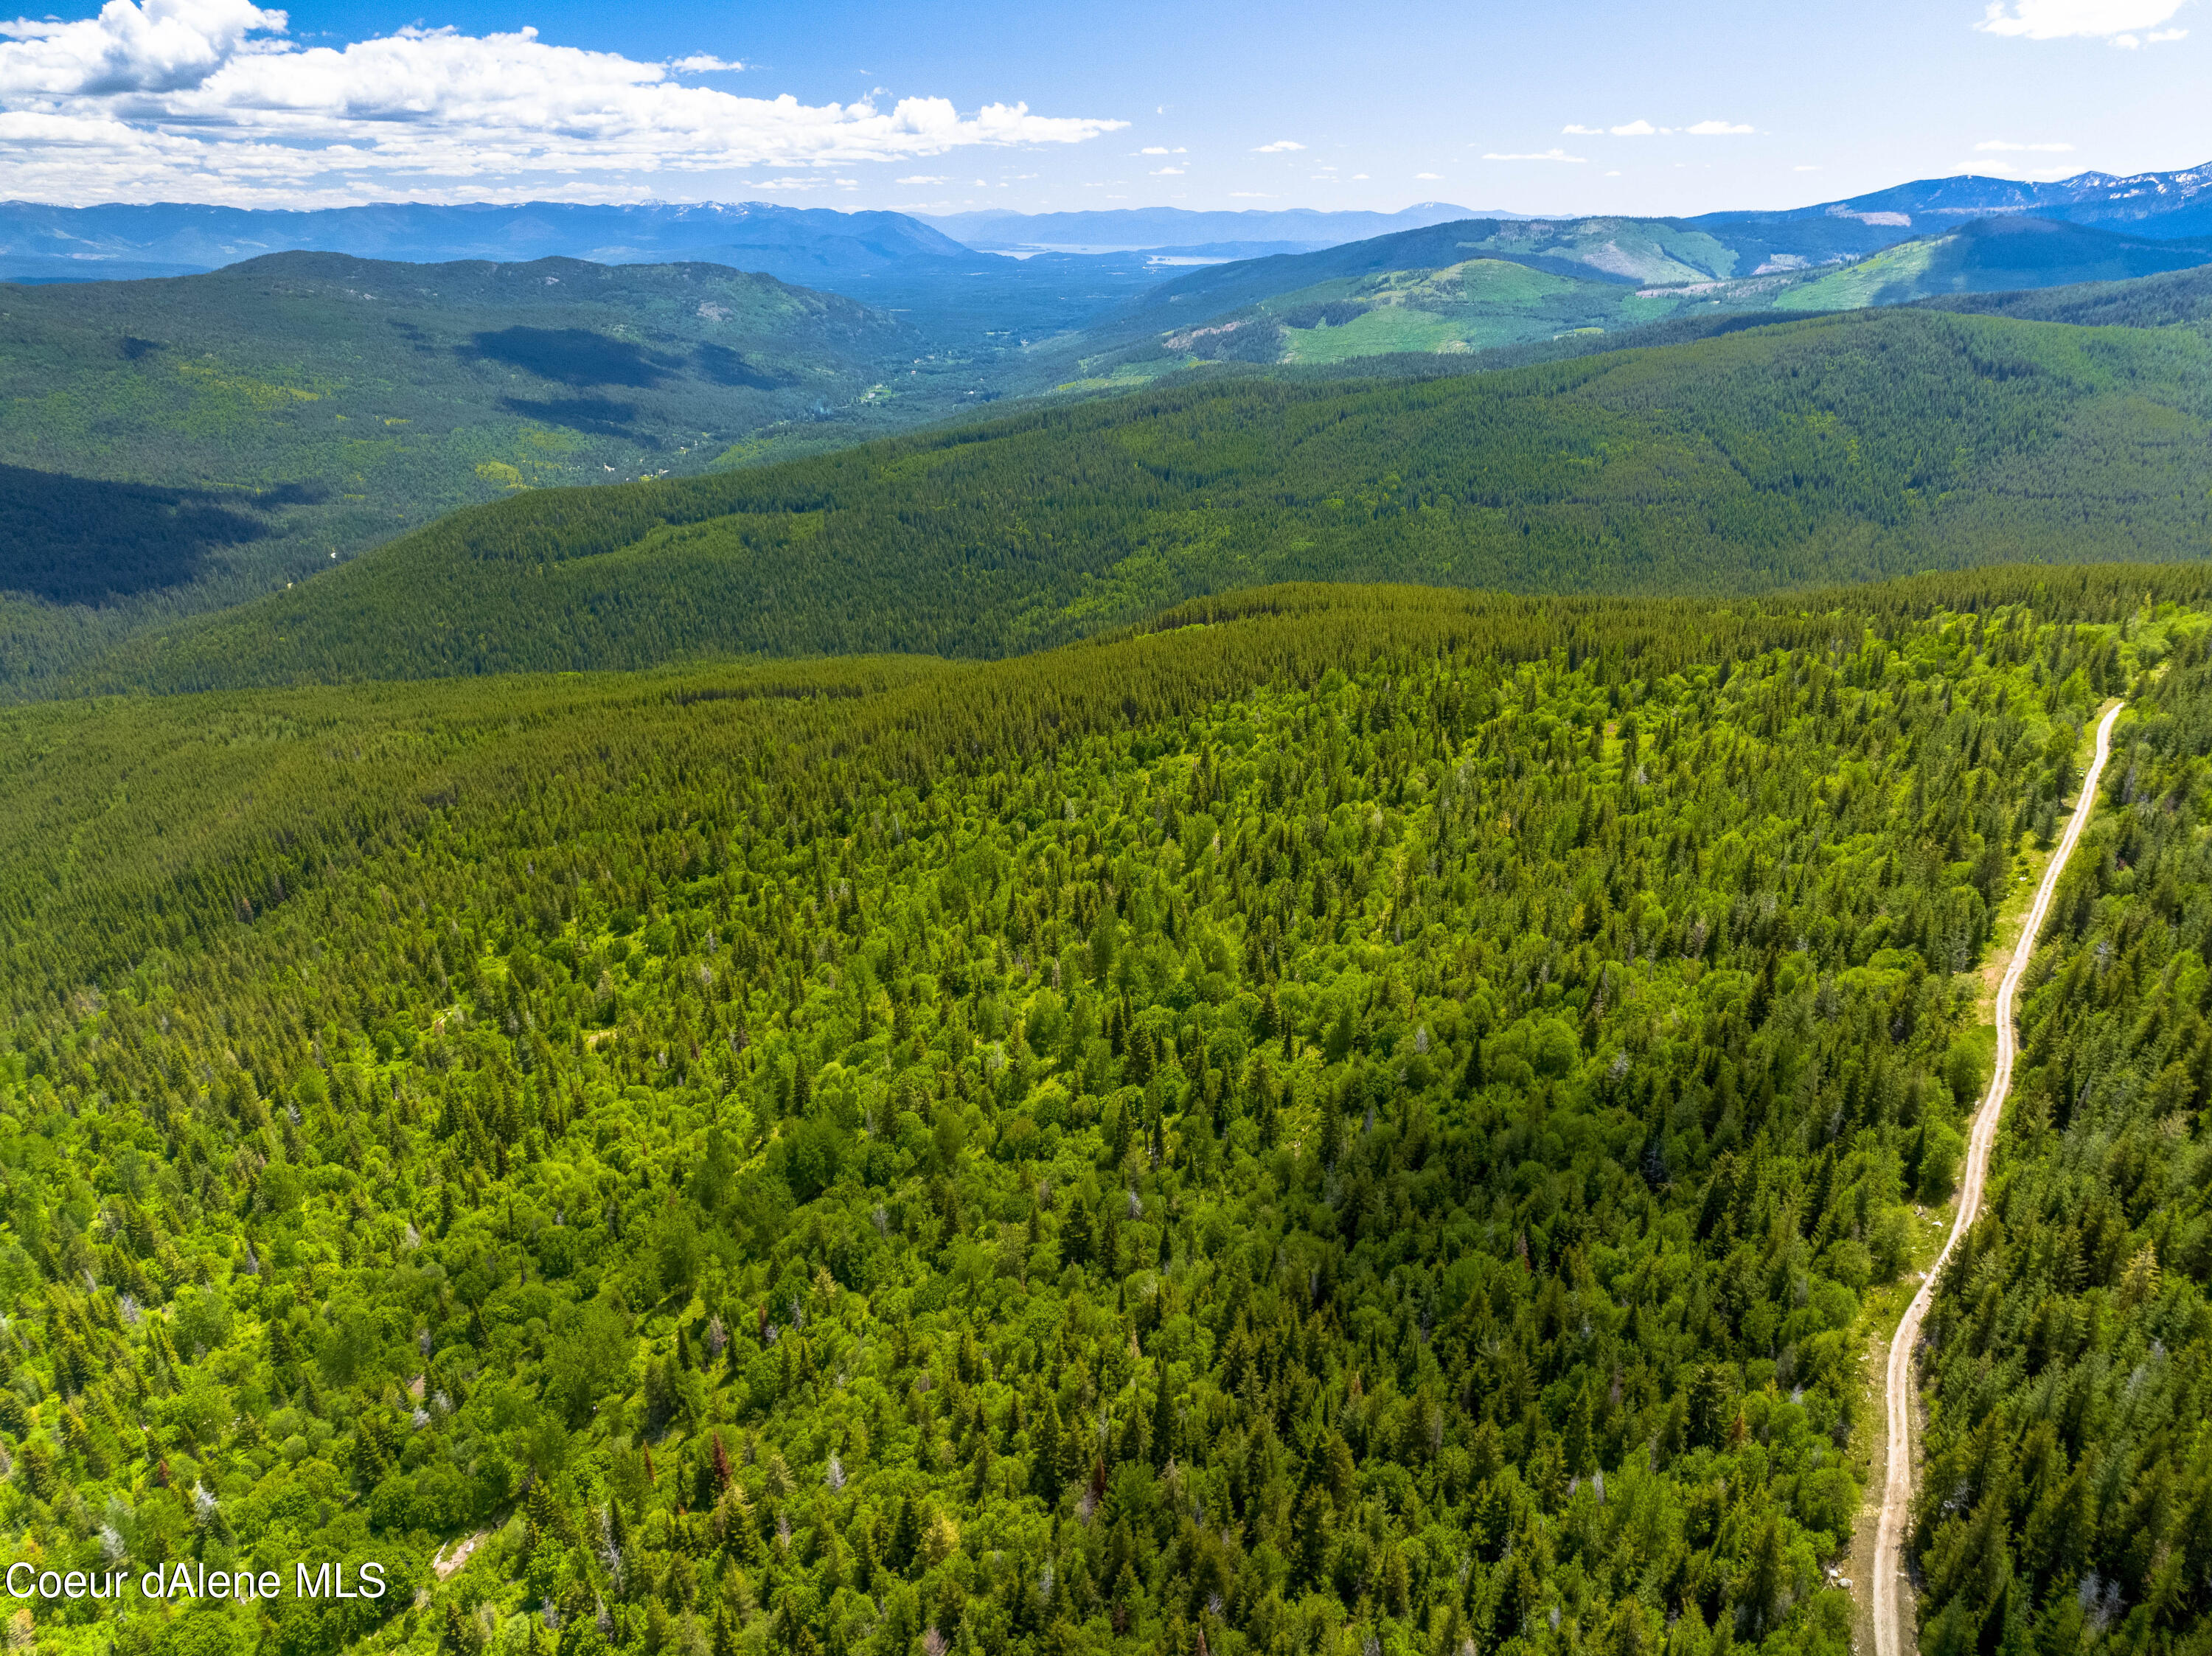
{"type": "Point", "coordinates": [1574, 130]}
{"type": "Point", "coordinates": [925, 177]}
{"type": "Point", "coordinates": [1281, 146]}
{"type": "Point", "coordinates": [705, 63]}
{"type": "Point", "coordinates": [1167, 171]}
{"type": "Point", "coordinates": [1635, 130]}
{"type": "Point", "coordinates": [1714, 130]}
{"type": "Point", "coordinates": [2117, 20]}
{"type": "Point", "coordinates": [1430, 177]}
{"type": "Point", "coordinates": [1545, 155]}
{"type": "Point", "coordinates": [209, 99]}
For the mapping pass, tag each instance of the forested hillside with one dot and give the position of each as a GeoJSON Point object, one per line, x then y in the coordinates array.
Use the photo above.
{"type": "Point", "coordinates": [169, 447]}
{"type": "Point", "coordinates": [2068, 1498]}
{"type": "Point", "coordinates": [2161, 302]}
{"type": "Point", "coordinates": [1844, 448]}
{"type": "Point", "coordinates": [1342, 1121]}
{"type": "Point", "coordinates": [1481, 284]}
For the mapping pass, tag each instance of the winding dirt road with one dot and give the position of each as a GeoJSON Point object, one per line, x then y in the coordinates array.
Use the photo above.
{"type": "Point", "coordinates": [1891, 1636]}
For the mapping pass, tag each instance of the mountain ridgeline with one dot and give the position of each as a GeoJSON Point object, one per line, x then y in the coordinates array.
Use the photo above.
{"type": "Point", "coordinates": [1477, 286]}
{"type": "Point", "coordinates": [1839, 448]}
{"type": "Point", "coordinates": [1347, 1119]}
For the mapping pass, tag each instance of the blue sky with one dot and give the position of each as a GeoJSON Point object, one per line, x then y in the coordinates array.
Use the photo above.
{"type": "Point", "coordinates": [1574, 108]}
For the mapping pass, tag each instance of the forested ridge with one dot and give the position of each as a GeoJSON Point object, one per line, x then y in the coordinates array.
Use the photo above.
{"type": "Point", "coordinates": [303, 408]}
{"type": "Point", "coordinates": [1337, 1121]}
{"type": "Point", "coordinates": [2066, 1499]}
{"type": "Point", "coordinates": [1841, 448]}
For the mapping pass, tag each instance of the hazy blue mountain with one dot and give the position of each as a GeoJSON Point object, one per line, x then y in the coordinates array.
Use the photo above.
{"type": "Point", "coordinates": [33, 271]}
{"type": "Point", "coordinates": [1127, 229]}
{"type": "Point", "coordinates": [2161, 205]}
{"type": "Point", "coordinates": [793, 244]}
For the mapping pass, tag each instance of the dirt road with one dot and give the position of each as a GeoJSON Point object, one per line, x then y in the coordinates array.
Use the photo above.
{"type": "Point", "coordinates": [1891, 1636]}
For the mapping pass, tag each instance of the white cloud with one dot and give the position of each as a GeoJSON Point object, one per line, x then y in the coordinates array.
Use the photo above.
{"type": "Point", "coordinates": [2159, 36]}
{"type": "Point", "coordinates": [1280, 146]}
{"type": "Point", "coordinates": [1167, 171]}
{"type": "Point", "coordinates": [705, 63]}
{"type": "Point", "coordinates": [207, 99]}
{"type": "Point", "coordinates": [1249, 194]}
{"type": "Point", "coordinates": [1714, 130]}
{"type": "Point", "coordinates": [1574, 131]}
{"type": "Point", "coordinates": [1548, 156]}
{"type": "Point", "coordinates": [1635, 130]}
{"type": "Point", "coordinates": [926, 178]}
{"type": "Point", "coordinates": [2060, 20]}
{"type": "Point", "coordinates": [1430, 177]}
{"type": "Point", "coordinates": [1994, 144]}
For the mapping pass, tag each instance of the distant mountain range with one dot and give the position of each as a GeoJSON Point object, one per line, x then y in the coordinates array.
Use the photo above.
{"type": "Point", "coordinates": [2162, 204]}
{"type": "Point", "coordinates": [1481, 285]}
{"type": "Point", "coordinates": [793, 244]}
{"type": "Point", "coordinates": [820, 247]}
{"type": "Point", "coordinates": [1133, 229]}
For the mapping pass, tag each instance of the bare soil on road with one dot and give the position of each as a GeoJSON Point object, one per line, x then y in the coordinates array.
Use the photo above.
{"type": "Point", "coordinates": [1893, 1633]}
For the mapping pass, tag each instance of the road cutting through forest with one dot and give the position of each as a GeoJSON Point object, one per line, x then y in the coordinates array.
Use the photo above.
{"type": "Point", "coordinates": [1891, 1637]}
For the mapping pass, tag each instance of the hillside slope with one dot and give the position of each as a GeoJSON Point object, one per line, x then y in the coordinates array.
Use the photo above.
{"type": "Point", "coordinates": [1995, 255]}
{"type": "Point", "coordinates": [1480, 286]}
{"type": "Point", "coordinates": [1839, 448]}
{"type": "Point", "coordinates": [296, 409]}
{"type": "Point", "coordinates": [2181, 299]}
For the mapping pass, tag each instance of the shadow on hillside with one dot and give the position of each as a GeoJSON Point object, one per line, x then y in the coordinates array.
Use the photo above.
{"type": "Point", "coordinates": [569, 356]}
{"type": "Point", "coordinates": [78, 540]}
{"type": "Point", "coordinates": [601, 416]}
{"type": "Point", "coordinates": [725, 367]}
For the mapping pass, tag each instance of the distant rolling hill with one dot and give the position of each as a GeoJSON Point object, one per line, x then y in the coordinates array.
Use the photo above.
{"type": "Point", "coordinates": [983, 303]}
{"type": "Point", "coordinates": [169, 446]}
{"type": "Point", "coordinates": [2181, 299]}
{"type": "Point", "coordinates": [1837, 448]}
{"type": "Point", "coordinates": [1992, 255]}
{"type": "Point", "coordinates": [1478, 285]}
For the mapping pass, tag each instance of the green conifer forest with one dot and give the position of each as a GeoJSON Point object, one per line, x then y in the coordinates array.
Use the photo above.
{"type": "Point", "coordinates": [2068, 1498]}
{"type": "Point", "coordinates": [1331, 1120]}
